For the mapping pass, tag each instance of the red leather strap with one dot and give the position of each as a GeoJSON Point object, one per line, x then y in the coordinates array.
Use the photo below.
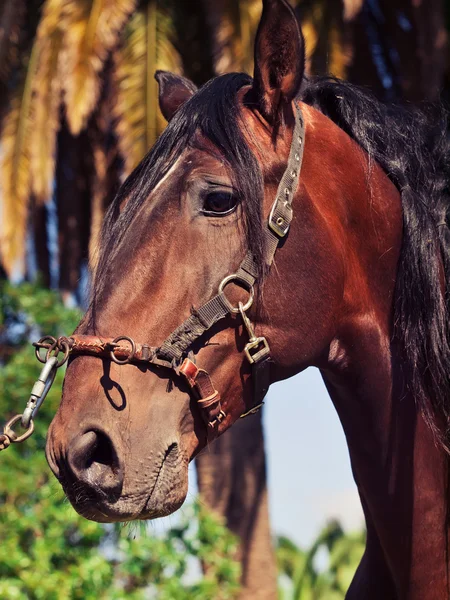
{"type": "Point", "coordinates": [208, 398]}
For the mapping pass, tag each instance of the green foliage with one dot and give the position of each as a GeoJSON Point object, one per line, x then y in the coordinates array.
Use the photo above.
{"type": "Point", "coordinates": [46, 549]}
{"type": "Point", "coordinates": [305, 580]}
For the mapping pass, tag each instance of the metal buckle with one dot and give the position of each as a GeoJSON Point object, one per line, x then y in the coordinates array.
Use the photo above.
{"type": "Point", "coordinates": [259, 354]}
{"type": "Point", "coordinates": [280, 217]}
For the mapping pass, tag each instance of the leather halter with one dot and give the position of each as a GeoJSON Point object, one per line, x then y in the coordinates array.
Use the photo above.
{"type": "Point", "coordinates": [175, 352]}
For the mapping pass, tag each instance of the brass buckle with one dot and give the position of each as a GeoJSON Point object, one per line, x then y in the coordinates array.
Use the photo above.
{"type": "Point", "coordinates": [254, 357]}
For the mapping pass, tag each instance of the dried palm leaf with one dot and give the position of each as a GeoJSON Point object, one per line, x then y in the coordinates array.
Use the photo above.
{"type": "Point", "coordinates": [46, 101]}
{"type": "Point", "coordinates": [147, 47]}
{"type": "Point", "coordinates": [106, 162]}
{"type": "Point", "coordinates": [223, 18]}
{"type": "Point", "coordinates": [167, 58]}
{"type": "Point", "coordinates": [15, 174]}
{"type": "Point", "coordinates": [92, 31]}
{"type": "Point", "coordinates": [340, 51]}
{"type": "Point", "coordinates": [131, 80]}
{"type": "Point", "coordinates": [323, 27]}
{"type": "Point", "coordinates": [234, 26]}
{"type": "Point", "coordinates": [352, 8]}
{"type": "Point", "coordinates": [250, 14]}
{"type": "Point", "coordinates": [11, 18]}
{"type": "Point", "coordinates": [100, 156]}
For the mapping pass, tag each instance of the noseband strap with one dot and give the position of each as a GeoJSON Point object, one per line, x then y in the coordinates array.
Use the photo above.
{"type": "Point", "coordinates": [175, 352]}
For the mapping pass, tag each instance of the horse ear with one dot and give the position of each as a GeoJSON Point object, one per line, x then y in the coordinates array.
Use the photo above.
{"type": "Point", "coordinates": [279, 59]}
{"type": "Point", "coordinates": [174, 90]}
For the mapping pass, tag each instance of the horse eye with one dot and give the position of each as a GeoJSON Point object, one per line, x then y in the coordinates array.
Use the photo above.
{"type": "Point", "coordinates": [219, 203]}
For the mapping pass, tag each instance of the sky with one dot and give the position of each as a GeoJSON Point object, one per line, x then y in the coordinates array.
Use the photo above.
{"type": "Point", "coordinates": [309, 475]}
{"type": "Point", "coordinates": [310, 479]}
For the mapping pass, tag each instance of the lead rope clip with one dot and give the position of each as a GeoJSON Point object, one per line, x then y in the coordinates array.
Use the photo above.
{"type": "Point", "coordinates": [257, 348]}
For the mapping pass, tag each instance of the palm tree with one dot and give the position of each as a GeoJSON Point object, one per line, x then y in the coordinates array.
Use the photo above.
{"type": "Point", "coordinates": [401, 49]}
{"type": "Point", "coordinates": [80, 72]}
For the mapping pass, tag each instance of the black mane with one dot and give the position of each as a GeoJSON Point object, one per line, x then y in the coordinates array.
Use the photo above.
{"type": "Point", "coordinates": [412, 147]}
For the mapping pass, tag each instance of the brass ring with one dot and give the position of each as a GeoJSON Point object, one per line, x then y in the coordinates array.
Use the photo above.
{"type": "Point", "coordinates": [115, 343]}
{"type": "Point", "coordinates": [41, 344]}
{"type": "Point", "coordinates": [249, 288]}
{"type": "Point", "coordinates": [65, 347]}
{"type": "Point", "coordinates": [53, 348]}
{"type": "Point", "coordinates": [16, 439]}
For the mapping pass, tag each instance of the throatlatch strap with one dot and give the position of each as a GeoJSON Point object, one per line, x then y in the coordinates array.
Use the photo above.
{"type": "Point", "coordinates": [261, 383]}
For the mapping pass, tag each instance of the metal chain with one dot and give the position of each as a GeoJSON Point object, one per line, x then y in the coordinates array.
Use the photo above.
{"type": "Point", "coordinates": [37, 396]}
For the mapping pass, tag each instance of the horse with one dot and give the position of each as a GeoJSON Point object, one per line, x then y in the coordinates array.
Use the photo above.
{"type": "Point", "coordinates": [286, 222]}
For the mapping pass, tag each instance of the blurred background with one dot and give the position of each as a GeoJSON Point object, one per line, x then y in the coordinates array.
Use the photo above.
{"type": "Point", "coordinates": [78, 111]}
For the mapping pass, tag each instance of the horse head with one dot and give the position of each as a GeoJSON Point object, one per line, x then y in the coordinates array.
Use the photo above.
{"type": "Point", "coordinates": [201, 207]}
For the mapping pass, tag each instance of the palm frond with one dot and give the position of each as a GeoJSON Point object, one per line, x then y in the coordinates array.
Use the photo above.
{"type": "Point", "coordinates": [46, 101]}
{"type": "Point", "coordinates": [11, 18]}
{"type": "Point", "coordinates": [130, 77]}
{"type": "Point", "coordinates": [340, 51]}
{"type": "Point", "coordinates": [151, 85]}
{"type": "Point", "coordinates": [92, 31]}
{"type": "Point", "coordinates": [352, 8]}
{"type": "Point", "coordinates": [147, 47]}
{"type": "Point", "coordinates": [15, 174]}
{"type": "Point", "coordinates": [106, 162]}
{"type": "Point", "coordinates": [250, 15]}
{"type": "Point", "coordinates": [327, 47]}
{"type": "Point", "coordinates": [167, 59]}
{"type": "Point", "coordinates": [233, 25]}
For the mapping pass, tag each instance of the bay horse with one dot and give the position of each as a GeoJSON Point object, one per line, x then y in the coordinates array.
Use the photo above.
{"type": "Point", "coordinates": [359, 287]}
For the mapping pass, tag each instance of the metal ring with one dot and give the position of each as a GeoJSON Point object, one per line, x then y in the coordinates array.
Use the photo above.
{"type": "Point", "coordinates": [235, 277]}
{"type": "Point", "coordinates": [48, 355]}
{"type": "Point", "coordinates": [16, 439]}
{"type": "Point", "coordinates": [63, 344]}
{"type": "Point", "coordinates": [116, 342]}
{"type": "Point", "coordinates": [41, 344]}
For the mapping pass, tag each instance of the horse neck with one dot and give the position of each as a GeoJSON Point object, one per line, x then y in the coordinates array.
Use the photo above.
{"type": "Point", "coordinates": [400, 471]}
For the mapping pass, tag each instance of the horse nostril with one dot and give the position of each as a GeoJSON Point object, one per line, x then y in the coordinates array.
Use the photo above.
{"type": "Point", "coordinates": [93, 460]}
{"type": "Point", "coordinates": [102, 452]}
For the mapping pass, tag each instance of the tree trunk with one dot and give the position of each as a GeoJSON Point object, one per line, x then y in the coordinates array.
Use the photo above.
{"type": "Point", "coordinates": [40, 238]}
{"type": "Point", "coordinates": [400, 49]}
{"type": "Point", "coordinates": [107, 162]}
{"type": "Point", "coordinates": [73, 182]}
{"type": "Point", "coordinates": [232, 482]}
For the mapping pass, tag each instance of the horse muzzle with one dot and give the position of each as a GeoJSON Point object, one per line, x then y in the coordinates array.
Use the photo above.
{"type": "Point", "coordinates": [105, 484]}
